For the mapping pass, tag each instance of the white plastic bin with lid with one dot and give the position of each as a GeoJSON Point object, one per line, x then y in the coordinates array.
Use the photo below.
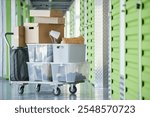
{"type": "Point", "coordinates": [39, 71]}
{"type": "Point", "coordinates": [70, 72]}
{"type": "Point", "coordinates": [65, 53]}
{"type": "Point", "coordinates": [40, 52]}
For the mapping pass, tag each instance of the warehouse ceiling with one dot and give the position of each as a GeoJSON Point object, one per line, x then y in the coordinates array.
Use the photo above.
{"type": "Point", "coordinates": [51, 4]}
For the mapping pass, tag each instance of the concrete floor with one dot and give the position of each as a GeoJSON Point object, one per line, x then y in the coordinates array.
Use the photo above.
{"type": "Point", "coordinates": [85, 91]}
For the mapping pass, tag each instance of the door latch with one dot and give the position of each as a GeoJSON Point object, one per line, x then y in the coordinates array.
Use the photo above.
{"type": "Point", "coordinates": [138, 5]}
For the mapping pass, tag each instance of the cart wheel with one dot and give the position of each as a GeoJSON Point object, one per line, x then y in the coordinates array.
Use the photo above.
{"type": "Point", "coordinates": [57, 91]}
{"type": "Point", "coordinates": [21, 89]}
{"type": "Point", "coordinates": [73, 89]}
{"type": "Point", "coordinates": [38, 87]}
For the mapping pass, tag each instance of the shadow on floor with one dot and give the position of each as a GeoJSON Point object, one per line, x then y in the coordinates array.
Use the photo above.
{"type": "Point", "coordinates": [85, 91]}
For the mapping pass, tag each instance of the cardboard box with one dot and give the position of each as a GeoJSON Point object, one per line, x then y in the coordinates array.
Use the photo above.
{"type": "Point", "coordinates": [75, 40]}
{"type": "Point", "coordinates": [19, 36]}
{"type": "Point", "coordinates": [52, 20]}
{"type": "Point", "coordinates": [39, 33]}
{"type": "Point", "coordinates": [46, 13]}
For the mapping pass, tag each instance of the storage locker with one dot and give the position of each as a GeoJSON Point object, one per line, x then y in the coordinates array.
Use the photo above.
{"type": "Point", "coordinates": [115, 41]}
{"type": "Point", "coordinates": [131, 50]}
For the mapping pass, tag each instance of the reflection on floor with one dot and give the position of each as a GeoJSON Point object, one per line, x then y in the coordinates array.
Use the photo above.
{"type": "Point", "coordinates": [85, 91]}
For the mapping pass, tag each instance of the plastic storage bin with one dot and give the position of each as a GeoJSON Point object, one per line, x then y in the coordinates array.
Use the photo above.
{"type": "Point", "coordinates": [70, 73]}
{"type": "Point", "coordinates": [46, 72]}
{"type": "Point", "coordinates": [65, 53]}
{"type": "Point", "coordinates": [40, 52]}
{"type": "Point", "coordinates": [39, 71]}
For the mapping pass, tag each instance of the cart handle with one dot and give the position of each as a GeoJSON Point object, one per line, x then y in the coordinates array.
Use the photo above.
{"type": "Point", "coordinates": [6, 39]}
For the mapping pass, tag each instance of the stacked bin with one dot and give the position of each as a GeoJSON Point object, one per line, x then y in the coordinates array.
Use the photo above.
{"type": "Point", "coordinates": [70, 73]}
{"type": "Point", "coordinates": [145, 50]}
{"type": "Point", "coordinates": [90, 39]}
{"type": "Point", "coordinates": [39, 67]}
{"type": "Point", "coordinates": [57, 63]}
{"type": "Point", "coordinates": [69, 64]}
{"type": "Point", "coordinates": [115, 35]}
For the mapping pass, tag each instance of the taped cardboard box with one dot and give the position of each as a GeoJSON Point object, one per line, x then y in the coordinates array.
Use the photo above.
{"type": "Point", "coordinates": [52, 20]}
{"type": "Point", "coordinates": [39, 33]}
{"type": "Point", "coordinates": [46, 13]}
{"type": "Point", "coordinates": [19, 36]}
{"type": "Point", "coordinates": [75, 40]}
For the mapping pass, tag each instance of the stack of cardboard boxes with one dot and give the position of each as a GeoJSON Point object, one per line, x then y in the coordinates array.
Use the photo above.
{"type": "Point", "coordinates": [38, 32]}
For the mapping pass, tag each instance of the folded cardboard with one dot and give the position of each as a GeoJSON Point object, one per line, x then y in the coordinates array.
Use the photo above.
{"type": "Point", "coordinates": [46, 13]}
{"type": "Point", "coordinates": [19, 36]}
{"type": "Point", "coordinates": [52, 20]}
{"type": "Point", "coordinates": [39, 33]}
{"type": "Point", "coordinates": [75, 40]}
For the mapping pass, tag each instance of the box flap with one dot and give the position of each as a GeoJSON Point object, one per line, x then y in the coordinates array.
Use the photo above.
{"type": "Point", "coordinates": [31, 24]}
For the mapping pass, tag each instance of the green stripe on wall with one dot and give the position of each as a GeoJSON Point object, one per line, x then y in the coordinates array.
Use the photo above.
{"type": "Point", "coordinates": [18, 13]}
{"type": "Point", "coordinates": [24, 12]}
{"type": "Point", "coordinates": [8, 29]}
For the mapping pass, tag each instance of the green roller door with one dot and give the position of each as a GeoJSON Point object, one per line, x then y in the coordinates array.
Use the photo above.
{"type": "Point", "coordinates": [90, 51]}
{"type": "Point", "coordinates": [88, 22]}
{"type": "Point", "coordinates": [115, 35]}
{"type": "Point", "coordinates": [82, 17]}
{"type": "Point", "coordinates": [131, 50]}
{"type": "Point", "coordinates": [90, 39]}
{"type": "Point", "coordinates": [146, 49]}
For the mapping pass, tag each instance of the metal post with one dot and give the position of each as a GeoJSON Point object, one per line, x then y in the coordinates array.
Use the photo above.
{"type": "Point", "coordinates": [109, 45]}
{"type": "Point", "coordinates": [122, 49]}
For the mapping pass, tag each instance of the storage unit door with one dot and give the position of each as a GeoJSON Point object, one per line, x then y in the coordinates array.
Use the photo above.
{"type": "Point", "coordinates": [131, 50]}
{"type": "Point", "coordinates": [115, 34]}
{"type": "Point", "coordinates": [146, 49]}
{"type": "Point", "coordinates": [90, 40]}
{"type": "Point", "coordinates": [82, 17]}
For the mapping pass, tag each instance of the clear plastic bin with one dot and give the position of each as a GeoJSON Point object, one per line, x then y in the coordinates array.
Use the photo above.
{"type": "Point", "coordinates": [46, 72]}
{"type": "Point", "coordinates": [39, 71]}
{"type": "Point", "coordinates": [70, 73]}
{"type": "Point", "coordinates": [58, 72]}
{"type": "Point", "coordinates": [40, 52]}
{"type": "Point", "coordinates": [69, 53]}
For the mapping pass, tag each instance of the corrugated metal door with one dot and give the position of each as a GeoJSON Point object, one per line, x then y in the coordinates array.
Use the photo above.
{"type": "Point", "coordinates": [115, 34]}
{"type": "Point", "coordinates": [90, 39]}
{"type": "Point", "coordinates": [82, 17]}
{"type": "Point", "coordinates": [131, 51]}
{"type": "Point", "coordinates": [146, 49]}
